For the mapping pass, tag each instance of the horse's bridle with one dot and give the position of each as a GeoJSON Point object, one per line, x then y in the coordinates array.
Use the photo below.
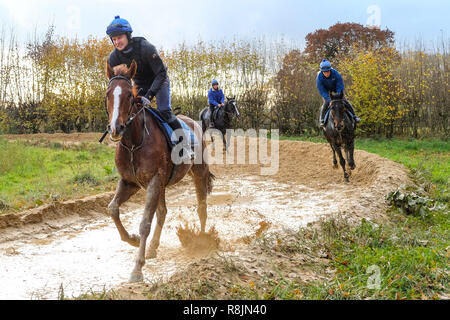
{"type": "Point", "coordinates": [235, 108]}
{"type": "Point", "coordinates": [131, 117]}
{"type": "Point", "coordinates": [331, 107]}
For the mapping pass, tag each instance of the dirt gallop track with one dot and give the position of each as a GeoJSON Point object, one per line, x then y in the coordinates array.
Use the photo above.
{"type": "Point", "coordinates": [74, 246]}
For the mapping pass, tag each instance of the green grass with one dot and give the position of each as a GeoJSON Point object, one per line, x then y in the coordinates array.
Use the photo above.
{"type": "Point", "coordinates": [34, 174]}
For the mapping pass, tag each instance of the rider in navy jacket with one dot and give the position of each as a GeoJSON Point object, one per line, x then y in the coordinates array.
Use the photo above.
{"type": "Point", "coordinates": [334, 83]}
{"type": "Point", "coordinates": [330, 80]}
{"type": "Point", "coordinates": [216, 98]}
{"type": "Point", "coordinates": [151, 76]}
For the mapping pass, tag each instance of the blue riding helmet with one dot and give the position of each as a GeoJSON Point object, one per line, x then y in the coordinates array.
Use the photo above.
{"type": "Point", "coordinates": [325, 65]}
{"type": "Point", "coordinates": [118, 26]}
{"type": "Point", "coordinates": [214, 82]}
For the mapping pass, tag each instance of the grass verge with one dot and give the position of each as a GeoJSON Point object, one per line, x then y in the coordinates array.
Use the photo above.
{"type": "Point", "coordinates": [32, 174]}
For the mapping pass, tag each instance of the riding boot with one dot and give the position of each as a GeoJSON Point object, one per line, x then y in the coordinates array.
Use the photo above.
{"type": "Point", "coordinates": [323, 112]}
{"type": "Point", "coordinates": [186, 151]}
{"type": "Point", "coordinates": [211, 117]}
{"type": "Point", "coordinates": [352, 111]}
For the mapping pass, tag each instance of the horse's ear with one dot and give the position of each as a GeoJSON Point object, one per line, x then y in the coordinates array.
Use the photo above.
{"type": "Point", "coordinates": [109, 71]}
{"type": "Point", "coordinates": [234, 98]}
{"type": "Point", "coordinates": [341, 95]}
{"type": "Point", "coordinates": [132, 70]}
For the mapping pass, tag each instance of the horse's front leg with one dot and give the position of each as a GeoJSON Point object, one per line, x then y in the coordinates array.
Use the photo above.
{"type": "Point", "coordinates": [335, 165]}
{"type": "Point", "coordinates": [154, 191]}
{"type": "Point", "coordinates": [226, 136]}
{"type": "Point", "coordinates": [124, 191]}
{"type": "Point", "coordinates": [213, 144]}
{"type": "Point", "coordinates": [350, 159]}
{"type": "Point", "coordinates": [161, 212]}
{"type": "Point", "coordinates": [342, 162]}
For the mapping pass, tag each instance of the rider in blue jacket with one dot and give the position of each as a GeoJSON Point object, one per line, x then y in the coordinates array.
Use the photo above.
{"type": "Point", "coordinates": [216, 98]}
{"type": "Point", "coordinates": [329, 80]}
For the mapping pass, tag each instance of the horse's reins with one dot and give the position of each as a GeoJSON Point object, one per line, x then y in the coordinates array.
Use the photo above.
{"type": "Point", "coordinates": [331, 114]}
{"type": "Point", "coordinates": [130, 119]}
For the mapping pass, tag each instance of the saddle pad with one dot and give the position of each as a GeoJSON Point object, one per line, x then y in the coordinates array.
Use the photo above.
{"type": "Point", "coordinates": [189, 133]}
{"type": "Point", "coordinates": [168, 131]}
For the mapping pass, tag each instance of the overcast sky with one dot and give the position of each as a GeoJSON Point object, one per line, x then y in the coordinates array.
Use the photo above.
{"type": "Point", "coordinates": [169, 22]}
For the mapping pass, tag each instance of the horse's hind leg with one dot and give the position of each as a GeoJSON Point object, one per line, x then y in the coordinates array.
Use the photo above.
{"type": "Point", "coordinates": [124, 191]}
{"type": "Point", "coordinates": [203, 185]}
{"type": "Point", "coordinates": [154, 191]}
{"type": "Point", "coordinates": [161, 212]}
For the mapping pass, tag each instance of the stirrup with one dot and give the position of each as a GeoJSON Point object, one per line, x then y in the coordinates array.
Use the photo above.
{"type": "Point", "coordinates": [187, 153]}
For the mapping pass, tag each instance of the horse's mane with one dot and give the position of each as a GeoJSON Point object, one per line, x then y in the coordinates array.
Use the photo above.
{"type": "Point", "coordinates": [120, 70]}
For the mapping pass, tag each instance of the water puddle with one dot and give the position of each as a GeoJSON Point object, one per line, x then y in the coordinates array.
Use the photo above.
{"type": "Point", "coordinates": [92, 257]}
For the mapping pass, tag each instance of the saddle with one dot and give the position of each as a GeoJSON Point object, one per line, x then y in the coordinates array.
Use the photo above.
{"type": "Point", "coordinates": [213, 116]}
{"type": "Point", "coordinates": [171, 138]}
{"type": "Point", "coordinates": [215, 112]}
{"type": "Point", "coordinates": [167, 130]}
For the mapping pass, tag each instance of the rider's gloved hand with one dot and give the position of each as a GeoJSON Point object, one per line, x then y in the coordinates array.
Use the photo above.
{"type": "Point", "coordinates": [147, 98]}
{"type": "Point", "coordinates": [145, 102]}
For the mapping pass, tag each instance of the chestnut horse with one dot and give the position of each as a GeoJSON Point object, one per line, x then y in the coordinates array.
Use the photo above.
{"type": "Point", "coordinates": [143, 160]}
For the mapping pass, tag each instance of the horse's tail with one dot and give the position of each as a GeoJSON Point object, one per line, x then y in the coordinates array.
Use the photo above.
{"type": "Point", "coordinates": [211, 178]}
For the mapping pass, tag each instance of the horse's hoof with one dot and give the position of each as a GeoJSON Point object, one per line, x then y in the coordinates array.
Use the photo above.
{"type": "Point", "coordinates": [347, 180]}
{"type": "Point", "coordinates": [335, 166]}
{"type": "Point", "coordinates": [135, 240]}
{"type": "Point", "coordinates": [151, 254]}
{"type": "Point", "coordinates": [136, 277]}
{"type": "Point", "coordinates": [353, 166]}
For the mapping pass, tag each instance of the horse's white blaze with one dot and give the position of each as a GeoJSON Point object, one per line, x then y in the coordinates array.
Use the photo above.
{"type": "Point", "coordinates": [117, 92]}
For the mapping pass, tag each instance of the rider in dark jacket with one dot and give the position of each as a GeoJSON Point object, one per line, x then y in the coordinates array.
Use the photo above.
{"type": "Point", "coordinates": [151, 76]}
{"type": "Point", "coordinates": [329, 80]}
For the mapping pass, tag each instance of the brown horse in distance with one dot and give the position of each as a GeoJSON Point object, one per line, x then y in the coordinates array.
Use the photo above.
{"type": "Point", "coordinates": [143, 160]}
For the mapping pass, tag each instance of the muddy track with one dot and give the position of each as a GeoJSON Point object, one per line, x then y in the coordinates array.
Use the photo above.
{"type": "Point", "coordinates": [75, 243]}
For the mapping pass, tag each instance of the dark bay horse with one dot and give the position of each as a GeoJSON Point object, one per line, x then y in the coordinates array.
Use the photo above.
{"type": "Point", "coordinates": [143, 160]}
{"type": "Point", "coordinates": [222, 122]}
{"type": "Point", "coordinates": [340, 132]}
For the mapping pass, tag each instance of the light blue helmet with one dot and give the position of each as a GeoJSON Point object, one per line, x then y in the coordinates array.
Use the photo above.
{"type": "Point", "coordinates": [214, 82]}
{"type": "Point", "coordinates": [325, 65]}
{"type": "Point", "coordinates": [118, 26]}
